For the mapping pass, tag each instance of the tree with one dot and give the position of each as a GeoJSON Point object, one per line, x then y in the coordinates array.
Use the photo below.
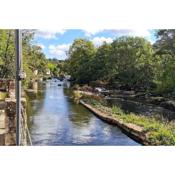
{"type": "Point", "coordinates": [81, 54]}
{"type": "Point", "coordinates": [7, 54]}
{"type": "Point", "coordinates": [165, 60]}
{"type": "Point", "coordinates": [132, 62]}
{"type": "Point", "coordinates": [101, 62]}
{"type": "Point", "coordinates": [165, 43]}
{"type": "Point", "coordinates": [33, 57]}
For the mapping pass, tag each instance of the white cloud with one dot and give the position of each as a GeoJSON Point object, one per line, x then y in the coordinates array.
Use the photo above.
{"type": "Point", "coordinates": [119, 32]}
{"type": "Point", "coordinates": [90, 32]}
{"type": "Point", "coordinates": [59, 51]}
{"type": "Point", "coordinates": [41, 45]}
{"type": "Point", "coordinates": [131, 32]}
{"type": "Point", "coordinates": [49, 34]}
{"type": "Point", "coordinates": [100, 40]}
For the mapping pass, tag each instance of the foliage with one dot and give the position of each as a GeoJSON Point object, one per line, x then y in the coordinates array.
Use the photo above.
{"type": "Point", "coordinates": [56, 67]}
{"type": "Point", "coordinates": [127, 59]}
{"type": "Point", "coordinates": [77, 96]}
{"type": "Point", "coordinates": [101, 62]}
{"type": "Point", "coordinates": [7, 54]}
{"type": "Point", "coordinates": [165, 61]}
{"type": "Point", "coordinates": [33, 57]}
{"type": "Point", "coordinates": [81, 54]}
{"type": "Point", "coordinates": [131, 62]}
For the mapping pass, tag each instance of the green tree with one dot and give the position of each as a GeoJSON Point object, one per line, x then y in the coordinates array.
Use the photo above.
{"type": "Point", "coordinates": [132, 62]}
{"type": "Point", "coordinates": [165, 43]}
{"type": "Point", "coordinates": [165, 60]}
{"type": "Point", "coordinates": [81, 54]}
{"type": "Point", "coordinates": [7, 54]}
{"type": "Point", "coordinates": [33, 58]}
{"type": "Point", "coordinates": [101, 62]}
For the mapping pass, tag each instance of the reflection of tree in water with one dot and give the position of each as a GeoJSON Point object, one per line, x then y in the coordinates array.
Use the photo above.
{"type": "Point", "coordinates": [35, 101]}
{"type": "Point", "coordinates": [79, 115]}
{"type": "Point", "coordinates": [67, 92]}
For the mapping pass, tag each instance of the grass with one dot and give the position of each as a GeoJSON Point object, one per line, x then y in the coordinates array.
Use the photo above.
{"type": "Point", "coordinates": [158, 131]}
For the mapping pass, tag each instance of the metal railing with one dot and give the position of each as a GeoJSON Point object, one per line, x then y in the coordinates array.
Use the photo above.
{"type": "Point", "coordinates": [24, 130]}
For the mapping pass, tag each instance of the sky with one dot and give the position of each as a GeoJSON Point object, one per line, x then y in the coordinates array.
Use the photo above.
{"type": "Point", "coordinates": [55, 43]}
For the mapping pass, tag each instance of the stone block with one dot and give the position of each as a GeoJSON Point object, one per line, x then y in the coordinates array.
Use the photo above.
{"type": "Point", "coordinates": [2, 119]}
{"type": "Point", "coordinates": [10, 139]}
{"type": "Point", "coordinates": [2, 139]}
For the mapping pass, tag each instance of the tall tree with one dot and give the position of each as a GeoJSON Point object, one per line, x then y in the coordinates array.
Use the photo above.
{"type": "Point", "coordinates": [132, 62]}
{"type": "Point", "coordinates": [81, 54]}
{"type": "Point", "coordinates": [165, 64]}
{"type": "Point", "coordinates": [7, 54]}
{"type": "Point", "coordinates": [101, 62]}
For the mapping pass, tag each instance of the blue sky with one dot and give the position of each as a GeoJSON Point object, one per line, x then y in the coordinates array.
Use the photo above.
{"type": "Point", "coordinates": [55, 43]}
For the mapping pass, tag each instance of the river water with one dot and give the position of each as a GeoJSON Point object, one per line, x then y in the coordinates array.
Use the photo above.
{"type": "Point", "coordinates": [55, 120]}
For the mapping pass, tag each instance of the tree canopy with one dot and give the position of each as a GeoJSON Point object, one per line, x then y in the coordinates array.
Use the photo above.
{"type": "Point", "coordinates": [132, 62]}
{"type": "Point", "coordinates": [33, 57]}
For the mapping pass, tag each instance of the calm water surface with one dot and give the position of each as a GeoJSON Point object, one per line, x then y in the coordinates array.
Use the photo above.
{"type": "Point", "coordinates": [55, 120]}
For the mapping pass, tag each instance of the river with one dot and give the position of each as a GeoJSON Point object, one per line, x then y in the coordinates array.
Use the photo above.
{"type": "Point", "coordinates": [54, 119]}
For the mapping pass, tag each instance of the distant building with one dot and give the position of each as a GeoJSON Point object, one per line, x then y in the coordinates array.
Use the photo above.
{"type": "Point", "coordinates": [67, 77]}
{"type": "Point", "coordinates": [35, 72]}
{"type": "Point", "coordinates": [48, 71]}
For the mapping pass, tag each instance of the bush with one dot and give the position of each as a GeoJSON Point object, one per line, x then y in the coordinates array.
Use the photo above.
{"type": "Point", "coordinates": [87, 88]}
{"type": "Point", "coordinates": [77, 96]}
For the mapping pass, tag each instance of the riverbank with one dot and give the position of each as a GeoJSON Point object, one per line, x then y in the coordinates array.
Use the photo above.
{"type": "Point", "coordinates": [166, 101]}
{"type": "Point", "coordinates": [148, 131]}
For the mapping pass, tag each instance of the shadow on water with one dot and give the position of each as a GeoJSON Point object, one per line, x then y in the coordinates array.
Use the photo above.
{"type": "Point", "coordinates": [56, 120]}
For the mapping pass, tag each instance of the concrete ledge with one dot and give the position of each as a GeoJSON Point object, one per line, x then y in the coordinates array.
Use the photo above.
{"type": "Point", "coordinates": [133, 131]}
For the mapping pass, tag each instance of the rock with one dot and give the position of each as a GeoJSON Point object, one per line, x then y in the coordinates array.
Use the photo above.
{"type": "Point", "coordinates": [170, 104]}
{"type": "Point", "coordinates": [128, 92]}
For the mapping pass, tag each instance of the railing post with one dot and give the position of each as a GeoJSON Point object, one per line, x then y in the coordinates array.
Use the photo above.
{"type": "Point", "coordinates": [18, 48]}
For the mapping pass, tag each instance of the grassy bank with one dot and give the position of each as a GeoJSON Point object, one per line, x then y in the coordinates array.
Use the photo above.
{"type": "Point", "coordinates": [157, 131]}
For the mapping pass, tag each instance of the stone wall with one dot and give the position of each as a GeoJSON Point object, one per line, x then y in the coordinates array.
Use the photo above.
{"type": "Point", "coordinates": [8, 119]}
{"type": "Point", "coordinates": [2, 126]}
{"type": "Point", "coordinates": [8, 123]}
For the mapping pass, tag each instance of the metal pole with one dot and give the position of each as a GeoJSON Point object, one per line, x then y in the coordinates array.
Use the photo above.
{"type": "Point", "coordinates": [18, 48]}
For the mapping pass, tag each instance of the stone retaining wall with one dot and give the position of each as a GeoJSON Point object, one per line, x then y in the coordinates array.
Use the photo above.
{"type": "Point", "coordinates": [8, 123]}
{"type": "Point", "coordinates": [8, 118]}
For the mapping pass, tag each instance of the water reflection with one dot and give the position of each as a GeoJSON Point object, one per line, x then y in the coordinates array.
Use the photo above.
{"type": "Point", "coordinates": [56, 120]}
